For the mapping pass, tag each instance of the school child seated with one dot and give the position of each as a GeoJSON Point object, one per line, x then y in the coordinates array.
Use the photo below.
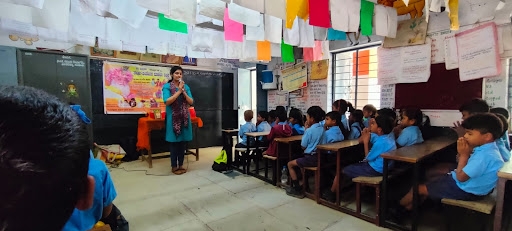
{"type": "Point", "coordinates": [332, 127]}
{"type": "Point", "coordinates": [369, 111]}
{"type": "Point", "coordinates": [246, 128]}
{"type": "Point", "coordinates": [342, 106]}
{"type": "Point", "coordinates": [479, 162]}
{"type": "Point", "coordinates": [504, 138]}
{"type": "Point", "coordinates": [296, 122]}
{"type": "Point", "coordinates": [311, 138]}
{"type": "Point", "coordinates": [372, 165]}
{"type": "Point", "coordinates": [505, 153]}
{"type": "Point", "coordinates": [262, 125]}
{"type": "Point", "coordinates": [44, 152]}
{"type": "Point", "coordinates": [408, 132]}
{"type": "Point", "coordinates": [356, 124]}
{"type": "Point", "coordinates": [280, 130]}
{"type": "Point", "coordinates": [389, 113]}
{"type": "Point", "coordinates": [467, 109]}
{"type": "Point", "coordinates": [104, 194]}
{"type": "Point", "coordinates": [272, 118]}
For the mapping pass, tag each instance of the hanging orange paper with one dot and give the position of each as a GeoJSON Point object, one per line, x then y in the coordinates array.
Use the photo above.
{"type": "Point", "coordinates": [263, 49]}
{"type": "Point", "coordinates": [296, 8]}
{"type": "Point", "coordinates": [304, 9]}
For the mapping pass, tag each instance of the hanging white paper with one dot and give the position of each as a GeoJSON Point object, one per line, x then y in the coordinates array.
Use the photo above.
{"type": "Point", "coordinates": [17, 27]}
{"type": "Point", "coordinates": [243, 15]}
{"type": "Point", "coordinates": [339, 15]}
{"type": "Point", "coordinates": [54, 15]}
{"type": "Point", "coordinates": [218, 45]}
{"type": "Point", "coordinates": [212, 8]}
{"type": "Point", "coordinates": [273, 29]}
{"type": "Point", "coordinates": [234, 50]}
{"type": "Point", "coordinates": [15, 12]}
{"type": "Point", "coordinates": [178, 44]}
{"type": "Point", "coordinates": [392, 22]}
{"type": "Point", "coordinates": [128, 11]}
{"type": "Point", "coordinates": [276, 8]}
{"type": "Point", "coordinates": [387, 96]}
{"type": "Point", "coordinates": [32, 3]}
{"type": "Point", "coordinates": [82, 39]}
{"type": "Point", "coordinates": [415, 64]}
{"type": "Point", "coordinates": [473, 11]}
{"type": "Point", "coordinates": [147, 33]}
{"type": "Point", "coordinates": [116, 29]}
{"type": "Point", "coordinates": [160, 6]}
{"type": "Point", "coordinates": [496, 88]}
{"type": "Point", "coordinates": [388, 65]}
{"type": "Point", "coordinates": [451, 59]}
{"type": "Point", "coordinates": [320, 33]}
{"type": "Point", "coordinates": [52, 35]}
{"type": "Point", "coordinates": [250, 51]}
{"type": "Point", "coordinates": [103, 7]}
{"type": "Point", "coordinates": [110, 44]}
{"type": "Point", "coordinates": [307, 37]}
{"type": "Point", "coordinates": [380, 20]}
{"type": "Point", "coordinates": [183, 11]}
{"type": "Point", "coordinates": [256, 33]}
{"type": "Point", "coordinates": [435, 5]}
{"type": "Point", "coordinates": [326, 54]}
{"type": "Point", "coordinates": [82, 24]}
{"type": "Point", "coordinates": [201, 40]}
{"type": "Point", "coordinates": [478, 52]}
{"type": "Point", "coordinates": [159, 48]}
{"type": "Point", "coordinates": [275, 49]}
{"type": "Point", "coordinates": [257, 5]}
{"type": "Point", "coordinates": [506, 39]}
{"type": "Point", "coordinates": [353, 8]}
{"type": "Point", "coordinates": [292, 36]}
{"type": "Point", "coordinates": [137, 48]}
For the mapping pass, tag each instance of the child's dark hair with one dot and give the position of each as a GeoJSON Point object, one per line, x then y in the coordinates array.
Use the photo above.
{"type": "Point", "coordinates": [334, 115]}
{"type": "Point", "coordinates": [500, 111]}
{"type": "Point", "coordinates": [484, 123]}
{"type": "Point", "coordinates": [264, 115]}
{"type": "Point", "coordinates": [370, 108]}
{"type": "Point", "coordinates": [475, 106]}
{"type": "Point", "coordinates": [415, 114]}
{"type": "Point", "coordinates": [297, 115]}
{"type": "Point", "coordinates": [358, 117]}
{"type": "Point", "coordinates": [248, 115]}
{"type": "Point", "coordinates": [387, 112]}
{"type": "Point", "coordinates": [174, 69]}
{"type": "Point", "coordinates": [272, 114]}
{"type": "Point", "coordinates": [385, 123]}
{"type": "Point", "coordinates": [44, 156]}
{"type": "Point", "coordinates": [317, 113]}
{"type": "Point", "coordinates": [504, 122]}
{"type": "Point", "coordinates": [281, 108]}
{"type": "Point", "coordinates": [281, 115]}
{"type": "Point", "coordinates": [343, 106]}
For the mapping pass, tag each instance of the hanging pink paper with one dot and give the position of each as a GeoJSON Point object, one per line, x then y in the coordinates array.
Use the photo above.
{"type": "Point", "coordinates": [317, 51]}
{"type": "Point", "coordinates": [319, 13]}
{"type": "Point", "coordinates": [233, 31]}
{"type": "Point", "coordinates": [308, 54]}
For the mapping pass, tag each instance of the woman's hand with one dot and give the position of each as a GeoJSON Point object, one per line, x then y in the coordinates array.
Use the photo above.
{"type": "Point", "coordinates": [181, 86]}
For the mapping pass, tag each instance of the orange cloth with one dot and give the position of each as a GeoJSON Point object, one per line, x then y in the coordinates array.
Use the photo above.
{"type": "Point", "coordinates": [146, 125]}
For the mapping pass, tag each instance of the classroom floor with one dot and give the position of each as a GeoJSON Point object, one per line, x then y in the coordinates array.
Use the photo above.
{"type": "Point", "coordinates": [202, 199]}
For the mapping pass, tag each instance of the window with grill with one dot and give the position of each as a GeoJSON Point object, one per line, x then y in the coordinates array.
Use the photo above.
{"type": "Point", "coordinates": [355, 77]}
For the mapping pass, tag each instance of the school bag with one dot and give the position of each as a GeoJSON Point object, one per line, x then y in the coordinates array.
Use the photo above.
{"type": "Point", "coordinates": [220, 163]}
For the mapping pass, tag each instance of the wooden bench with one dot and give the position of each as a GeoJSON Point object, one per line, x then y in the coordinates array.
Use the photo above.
{"type": "Point", "coordinates": [484, 206]}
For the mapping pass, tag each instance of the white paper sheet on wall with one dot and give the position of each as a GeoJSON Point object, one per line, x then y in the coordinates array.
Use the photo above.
{"type": "Point", "coordinates": [234, 50]}
{"type": "Point", "coordinates": [54, 15]}
{"type": "Point", "coordinates": [496, 88]}
{"type": "Point", "coordinates": [380, 20]}
{"type": "Point", "coordinates": [276, 8]}
{"type": "Point", "coordinates": [273, 29]}
{"type": "Point", "coordinates": [256, 33]}
{"type": "Point", "coordinates": [392, 22]}
{"type": "Point", "coordinates": [212, 8]}
{"type": "Point", "coordinates": [159, 48]}
{"type": "Point", "coordinates": [52, 35]}
{"type": "Point", "coordinates": [178, 44]}
{"type": "Point", "coordinates": [128, 11]}
{"type": "Point", "coordinates": [339, 15]}
{"type": "Point", "coordinates": [134, 47]}
{"type": "Point", "coordinates": [472, 11]}
{"type": "Point", "coordinates": [17, 27]}
{"type": "Point", "coordinates": [353, 8]}
{"type": "Point", "coordinates": [243, 15]}
{"type": "Point", "coordinates": [201, 40]}
{"type": "Point", "coordinates": [116, 29]}
{"type": "Point", "coordinates": [110, 44]}
{"type": "Point", "coordinates": [103, 7]}
{"type": "Point", "coordinates": [292, 36]}
{"type": "Point", "coordinates": [218, 46]}
{"type": "Point", "coordinates": [388, 63]}
{"type": "Point", "coordinates": [442, 118]}
{"type": "Point", "coordinates": [82, 39]}
{"type": "Point", "coordinates": [275, 49]}
{"type": "Point", "coordinates": [307, 37]}
{"type": "Point", "coordinates": [257, 5]}
{"type": "Point", "coordinates": [249, 52]}
{"type": "Point", "coordinates": [183, 11]}
{"type": "Point", "coordinates": [32, 3]}
{"type": "Point", "coordinates": [451, 59]}
{"type": "Point", "coordinates": [81, 24]}
{"type": "Point", "coordinates": [409, 64]}
{"type": "Point", "coordinates": [15, 12]}
{"type": "Point", "coordinates": [387, 96]}
{"type": "Point", "coordinates": [160, 6]}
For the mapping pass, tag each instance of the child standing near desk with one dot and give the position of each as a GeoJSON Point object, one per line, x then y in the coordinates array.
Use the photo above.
{"type": "Point", "coordinates": [477, 170]}
{"type": "Point", "coordinates": [246, 128]}
{"type": "Point", "coordinates": [312, 137]}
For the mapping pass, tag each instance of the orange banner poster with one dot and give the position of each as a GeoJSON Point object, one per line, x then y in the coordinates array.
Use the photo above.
{"type": "Point", "coordinates": [133, 89]}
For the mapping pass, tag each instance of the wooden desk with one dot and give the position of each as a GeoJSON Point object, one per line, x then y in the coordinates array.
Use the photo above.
{"type": "Point", "coordinates": [337, 147]}
{"type": "Point", "coordinates": [288, 141]}
{"type": "Point", "coordinates": [413, 154]}
{"type": "Point", "coordinates": [255, 136]}
{"type": "Point", "coordinates": [227, 144]}
{"type": "Point", "coordinates": [504, 175]}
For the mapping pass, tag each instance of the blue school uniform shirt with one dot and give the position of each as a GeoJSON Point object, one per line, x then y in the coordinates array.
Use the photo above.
{"type": "Point", "coordinates": [273, 124]}
{"type": "Point", "coordinates": [263, 127]}
{"type": "Point", "coordinates": [409, 136]}
{"type": "Point", "coordinates": [505, 139]}
{"type": "Point", "coordinates": [482, 168]}
{"type": "Point", "coordinates": [355, 131]}
{"type": "Point", "coordinates": [104, 195]}
{"type": "Point", "coordinates": [333, 135]}
{"type": "Point", "coordinates": [246, 128]}
{"type": "Point", "coordinates": [366, 122]}
{"type": "Point", "coordinates": [312, 137]}
{"type": "Point", "coordinates": [344, 121]}
{"type": "Point", "coordinates": [504, 152]}
{"type": "Point", "coordinates": [297, 129]}
{"type": "Point", "coordinates": [381, 144]}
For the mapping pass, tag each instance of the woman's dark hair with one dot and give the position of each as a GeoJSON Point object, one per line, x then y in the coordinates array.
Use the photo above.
{"type": "Point", "coordinates": [297, 115]}
{"type": "Point", "coordinates": [317, 113]}
{"type": "Point", "coordinates": [414, 113]}
{"type": "Point", "coordinates": [334, 115]}
{"type": "Point", "coordinates": [343, 106]}
{"type": "Point", "coordinates": [263, 114]}
{"type": "Point", "coordinates": [358, 117]}
{"type": "Point", "coordinates": [174, 69]}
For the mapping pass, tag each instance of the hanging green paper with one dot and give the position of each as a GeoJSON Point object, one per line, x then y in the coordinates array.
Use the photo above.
{"type": "Point", "coordinates": [287, 53]}
{"type": "Point", "coordinates": [366, 17]}
{"type": "Point", "coordinates": [171, 25]}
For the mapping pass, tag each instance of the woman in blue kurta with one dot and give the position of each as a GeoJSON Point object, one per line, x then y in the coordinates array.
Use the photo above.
{"type": "Point", "coordinates": [177, 98]}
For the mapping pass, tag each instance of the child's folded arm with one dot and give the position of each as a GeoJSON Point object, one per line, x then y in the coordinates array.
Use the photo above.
{"type": "Point", "coordinates": [460, 174]}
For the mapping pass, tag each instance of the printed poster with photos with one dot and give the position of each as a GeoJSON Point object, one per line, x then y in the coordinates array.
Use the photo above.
{"type": "Point", "coordinates": [133, 89]}
{"type": "Point", "coordinates": [294, 78]}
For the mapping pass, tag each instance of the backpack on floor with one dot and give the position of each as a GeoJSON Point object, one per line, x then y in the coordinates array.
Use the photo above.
{"type": "Point", "coordinates": [220, 163]}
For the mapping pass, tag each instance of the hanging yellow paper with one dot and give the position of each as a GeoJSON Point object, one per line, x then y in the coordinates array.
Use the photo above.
{"type": "Point", "coordinates": [454, 14]}
{"type": "Point", "coordinates": [296, 8]}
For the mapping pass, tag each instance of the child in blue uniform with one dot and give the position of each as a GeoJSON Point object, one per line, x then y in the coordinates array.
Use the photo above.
{"type": "Point", "coordinates": [246, 128]}
{"type": "Point", "coordinates": [356, 124]}
{"type": "Point", "coordinates": [369, 111]}
{"type": "Point", "coordinates": [477, 171]}
{"type": "Point", "coordinates": [503, 142]}
{"type": "Point", "coordinates": [311, 138]}
{"type": "Point", "coordinates": [296, 121]}
{"type": "Point", "coordinates": [408, 132]}
{"type": "Point", "coordinates": [272, 118]}
{"type": "Point", "coordinates": [332, 128]}
{"type": "Point", "coordinates": [262, 126]}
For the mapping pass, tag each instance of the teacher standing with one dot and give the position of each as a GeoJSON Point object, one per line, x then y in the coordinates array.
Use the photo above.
{"type": "Point", "coordinates": [177, 98]}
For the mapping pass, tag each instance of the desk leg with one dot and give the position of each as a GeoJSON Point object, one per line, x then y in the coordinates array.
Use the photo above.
{"type": "Point", "coordinates": [338, 176]}
{"type": "Point", "coordinates": [384, 199]}
{"type": "Point", "coordinates": [498, 214]}
{"type": "Point", "coordinates": [228, 147]}
{"type": "Point", "coordinates": [276, 176]}
{"type": "Point", "coordinates": [150, 158]}
{"type": "Point", "coordinates": [317, 178]}
{"type": "Point", "coordinates": [246, 160]}
{"type": "Point", "coordinates": [415, 198]}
